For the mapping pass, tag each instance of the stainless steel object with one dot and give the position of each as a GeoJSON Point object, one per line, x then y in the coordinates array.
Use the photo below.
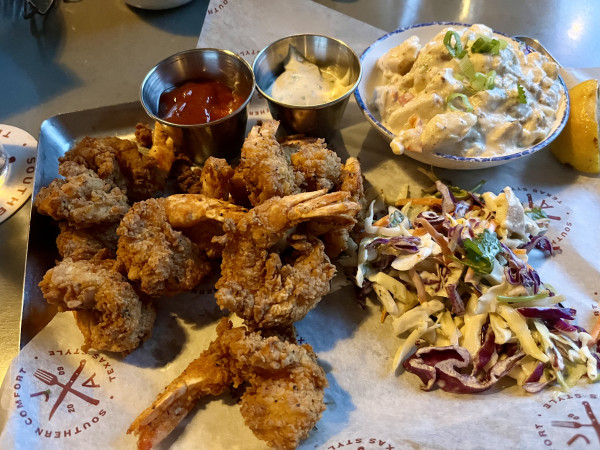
{"type": "Point", "coordinates": [33, 7]}
{"type": "Point", "coordinates": [222, 138]}
{"type": "Point", "coordinates": [537, 46]}
{"type": "Point", "coordinates": [57, 135]}
{"type": "Point", "coordinates": [320, 120]}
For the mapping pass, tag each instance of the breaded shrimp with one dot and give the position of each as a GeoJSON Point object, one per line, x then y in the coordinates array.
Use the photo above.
{"type": "Point", "coordinates": [99, 155]}
{"type": "Point", "coordinates": [260, 285]}
{"type": "Point", "coordinates": [140, 174]}
{"type": "Point", "coordinates": [160, 259]}
{"type": "Point", "coordinates": [188, 210]}
{"type": "Point", "coordinates": [336, 239]}
{"type": "Point", "coordinates": [82, 198]}
{"type": "Point", "coordinates": [202, 219]}
{"type": "Point", "coordinates": [212, 180]}
{"type": "Point", "coordinates": [264, 171]}
{"type": "Point", "coordinates": [316, 167]}
{"type": "Point", "coordinates": [98, 242]}
{"type": "Point", "coordinates": [282, 404]}
{"type": "Point", "coordinates": [108, 311]}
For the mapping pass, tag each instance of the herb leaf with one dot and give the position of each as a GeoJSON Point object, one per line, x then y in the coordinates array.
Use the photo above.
{"type": "Point", "coordinates": [521, 94]}
{"type": "Point", "coordinates": [488, 45]}
{"type": "Point", "coordinates": [536, 213]}
{"type": "Point", "coordinates": [481, 251]}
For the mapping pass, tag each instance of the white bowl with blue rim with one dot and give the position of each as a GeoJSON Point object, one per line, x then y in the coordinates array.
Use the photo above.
{"type": "Point", "coordinates": [425, 32]}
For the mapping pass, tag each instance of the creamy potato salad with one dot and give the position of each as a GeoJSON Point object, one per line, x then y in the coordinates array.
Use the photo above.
{"type": "Point", "coordinates": [467, 92]}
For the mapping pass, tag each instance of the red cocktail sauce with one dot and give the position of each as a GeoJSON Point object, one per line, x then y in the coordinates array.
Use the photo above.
{"type": "Point", "coordinates": [198, 101]}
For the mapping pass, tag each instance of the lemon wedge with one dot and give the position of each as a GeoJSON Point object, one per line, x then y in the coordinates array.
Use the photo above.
{"type": "Point", "coordinates": [577, 145]}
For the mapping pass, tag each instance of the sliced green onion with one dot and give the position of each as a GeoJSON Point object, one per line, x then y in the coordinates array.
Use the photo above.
{"type": "Point", "coordinates": [521, 94]}
{"type": "Point", "coordinates": [490, 79]}
{"type": "Point", "coordinates": [459, 76]}
{"type": "Point", "coordinates": [481, 82]}
{"type": "Point", "coordinates": [488, 45]}
{"type": "Point", "coordinates": [467, 107]}
{"type": "Point", "coordinates": [455, 50]}
{"type": "Point", "coordinates": [467, 68]}
{"type": "Point", "coordinates": [522, 298]}
{"type": "Point", "coordinates": [478, 83]}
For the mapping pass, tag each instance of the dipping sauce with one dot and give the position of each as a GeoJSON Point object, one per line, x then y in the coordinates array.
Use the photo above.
{"type": "Point", "coordinates": [199, 101]}
{"type": "Point", "coordinates": [303, 83]}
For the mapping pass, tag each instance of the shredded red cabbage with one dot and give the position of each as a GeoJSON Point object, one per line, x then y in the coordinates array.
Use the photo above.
{"type": "Point", "coordinates": [448, 200]}
{"type": "Point", "coordinates": [444, 366]}
{"type": "Point", "coordinates": [533, 384]}
{"type": "Point", "coordinates": [517, 272]}
{"type": "Point", "coordinates": [436, 220]}
{"type": "Point", "coordinates": [541, 243]}
{"type": "Point", "coordinates": [549, 313]}
{"type": "Point", "coordinates": [461, 208]}
{"type": "Point", "coordinates": [476, 199]}
{"type": "Point", "coordinates": [458, 306]}
{"type": "Point", "coordinates": [561, 325]}
{"type": "Point", "coordinates": [401, 244]}
{"type": "Point", "coordinates": [486, 351]}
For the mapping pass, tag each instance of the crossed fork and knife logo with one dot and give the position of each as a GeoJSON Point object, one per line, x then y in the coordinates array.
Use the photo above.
{"type": "Point", "coordinates": [52, 380]}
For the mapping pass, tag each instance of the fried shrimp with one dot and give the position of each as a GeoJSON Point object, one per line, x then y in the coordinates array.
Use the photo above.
{"type": "Point", "coordinates": [107, 309]}
{"type": "Point", "coordinates": [212, 180]}
{"type": "Point", "coordinates": [336, 239]}
{"type": "Point", "coordinates": [99, 242]}
{"type": "Point", "coordinates": [157, 257]}
{"type": "Point", "coordinates": [145, 173]}
{"type": "Point", "coordinates": [163, 147]}
{"type": "Point", "coordinates": [264, 170]}
{"type": "Point", "coordinates": [82, 198]}
{"type": "Point", "coordinates": [283, 402]}
{"type": "Point", "coordinates": [140, 174]}
{"type": "Point", "coordinates": [351, 180]}
{"type": "Point", "coordinates": [99, 155]}
{"type": "Point", "coordinates": [202, 219]}
{"type": "Point", "coordinates": [188, 210]}
{"type": "Point", "coordinates": [260, 285]}
{"type": "Point", "coordinates": [316, 166]}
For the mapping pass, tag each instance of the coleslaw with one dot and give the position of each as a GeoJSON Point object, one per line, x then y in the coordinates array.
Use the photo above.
{"type": "Point", "coordinates": [451, 271]}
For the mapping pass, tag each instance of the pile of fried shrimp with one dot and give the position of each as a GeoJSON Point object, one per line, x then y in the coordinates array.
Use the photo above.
{"type": "Point", "coordinates": [140, 221]}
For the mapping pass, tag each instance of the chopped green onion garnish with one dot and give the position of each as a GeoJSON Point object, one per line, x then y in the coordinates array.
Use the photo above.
{"type": "Point", "coordinates": [478, 80]}
{"type": "Point", "coordinates": [478, 83]}
{"type": "Point", "coordinates": [521, 94]}
{"type": "Point", "coordinates": [522, 298]}
{"type": "Point", "coordinates": [467, 107]}
{"type": "Point", "coordinates": [455, 50]}
{"type": "Point", "coordinates": [490, 79]}
{"type": "Point", "coordinates": [488, 45]}
{"type": "Point", "coordinates": [467, 68]}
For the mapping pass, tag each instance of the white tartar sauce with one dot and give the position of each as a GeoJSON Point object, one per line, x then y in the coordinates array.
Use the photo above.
{"type": "Point", "coordinates": [303, 83]}
{"type": "Point", "coordinates": [474, 99]}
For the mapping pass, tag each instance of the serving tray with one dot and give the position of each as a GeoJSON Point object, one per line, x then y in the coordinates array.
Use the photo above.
{"type": "Point", "coordinates": [57, 135]}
